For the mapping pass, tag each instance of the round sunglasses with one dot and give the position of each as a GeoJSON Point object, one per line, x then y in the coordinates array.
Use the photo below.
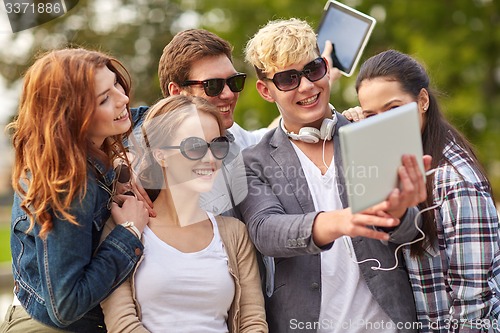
{"type": "Point", "coordinates": [194, 148]}
{"type": "Point", "coordinates": [214, 87]}
{"type": "Point", "coordinates": [289, 80]}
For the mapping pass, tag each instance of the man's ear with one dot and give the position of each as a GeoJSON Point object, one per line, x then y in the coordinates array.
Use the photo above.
{"type": "Point", "coordinates": [174, 88]}
{"type": "Point", "coordinates": [264, 91]}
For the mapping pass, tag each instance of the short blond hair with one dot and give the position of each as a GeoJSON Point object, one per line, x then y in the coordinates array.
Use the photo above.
{"type": "Point", "coordinates": [281, 43]}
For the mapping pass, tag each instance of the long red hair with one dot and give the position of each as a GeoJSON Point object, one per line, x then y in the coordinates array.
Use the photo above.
{"type": "Point", "coordinates": [50, 133]}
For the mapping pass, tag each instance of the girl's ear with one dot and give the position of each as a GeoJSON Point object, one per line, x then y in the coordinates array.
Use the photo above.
{"type": "Point", "coordinates": [423, 100]}
{"type": "Point", "coordinates": [159, 157]}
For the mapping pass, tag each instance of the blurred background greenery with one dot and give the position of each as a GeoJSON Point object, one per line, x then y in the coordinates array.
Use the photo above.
{"type": "Point", "coordinates": [4, 243]}
{"type": "Point", "coordinates": [457, 40]}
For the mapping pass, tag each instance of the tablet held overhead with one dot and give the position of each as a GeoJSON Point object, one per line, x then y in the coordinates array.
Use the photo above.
{"type": "Point", "coordinates": [348, 30]}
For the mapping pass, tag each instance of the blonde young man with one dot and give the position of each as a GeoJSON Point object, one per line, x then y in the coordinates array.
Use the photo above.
{"type": "Point", "coordinates": [296, 207]}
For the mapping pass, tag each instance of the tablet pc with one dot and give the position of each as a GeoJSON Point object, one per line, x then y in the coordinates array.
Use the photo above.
{"type": "Point", "coordinates": [371, 153]}
{"type": "Point", "coordinates": [348, 30]}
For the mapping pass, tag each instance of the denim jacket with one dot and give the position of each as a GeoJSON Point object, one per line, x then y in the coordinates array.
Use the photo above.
{"type": "Point", "coordinates": [61, 280]}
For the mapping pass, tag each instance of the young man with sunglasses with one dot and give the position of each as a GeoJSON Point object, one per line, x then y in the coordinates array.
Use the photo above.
{"type": "Point", "coordinates": [199, 63]}
{"type": "Point", "coordinates": [295, 209]}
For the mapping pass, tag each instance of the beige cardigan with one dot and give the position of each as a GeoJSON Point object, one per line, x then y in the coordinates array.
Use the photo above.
{"type": "Point", "coordinates": [246, 314]}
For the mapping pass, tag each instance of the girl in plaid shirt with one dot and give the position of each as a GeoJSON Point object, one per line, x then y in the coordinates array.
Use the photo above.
{"type": "Point", "coordinates": [454, 269]}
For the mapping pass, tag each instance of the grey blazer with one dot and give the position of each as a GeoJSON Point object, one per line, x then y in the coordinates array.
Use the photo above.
{"type": "Point", "coordinates": [279, 213]}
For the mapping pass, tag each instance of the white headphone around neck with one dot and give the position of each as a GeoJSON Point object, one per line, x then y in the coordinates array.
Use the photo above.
{"type": "Point", "coordinates": [313, 135]}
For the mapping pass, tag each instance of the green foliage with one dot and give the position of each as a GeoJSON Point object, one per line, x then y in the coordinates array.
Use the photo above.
{"type": "Point", "coordinates": [457, 40]}
{"type": "Point", "coordinates": [5, 212]}
{"type": "Point", "coordinates": [5, 243]}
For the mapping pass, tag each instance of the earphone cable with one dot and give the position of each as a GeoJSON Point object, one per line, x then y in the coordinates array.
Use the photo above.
{"type": "Point", "coordinates": [415, 221]}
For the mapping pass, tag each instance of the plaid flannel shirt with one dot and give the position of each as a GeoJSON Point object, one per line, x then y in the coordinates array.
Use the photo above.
{"type": "Point", "coordinates": [455, 282]}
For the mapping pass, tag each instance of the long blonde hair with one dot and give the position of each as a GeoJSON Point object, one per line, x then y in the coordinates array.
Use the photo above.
{"type": "Point", "coordinates": [50, 133]}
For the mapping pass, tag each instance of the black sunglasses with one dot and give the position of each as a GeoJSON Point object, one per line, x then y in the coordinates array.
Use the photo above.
{"type": "Point", "coordinates": [214, 87]}
{"type": "Point", "coordinates": [194, 148]}
{"type": "Point", "coordinates": [289, 80]}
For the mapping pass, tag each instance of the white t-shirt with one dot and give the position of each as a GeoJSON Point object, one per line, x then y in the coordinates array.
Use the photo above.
{"type": "Point", "coordinates": [184, 292]}
{"type": "Point", "coordinates": [347, 304]}
{"type": "Point", "coordinates": [245, 138]}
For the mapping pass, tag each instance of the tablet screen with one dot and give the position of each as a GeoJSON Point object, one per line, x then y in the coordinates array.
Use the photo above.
{"type": "Point", "coordinates": [371, 151]}
{"type": "Point", "coordinates": [349, 31]}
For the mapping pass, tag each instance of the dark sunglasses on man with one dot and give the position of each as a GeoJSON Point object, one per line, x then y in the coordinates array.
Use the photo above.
{"type": "Point", "coordinates": [214, 87]}
{"type": "Point", "coordinates": [290, 80]}
{"type": "Point", "coordinates": [194, 148]}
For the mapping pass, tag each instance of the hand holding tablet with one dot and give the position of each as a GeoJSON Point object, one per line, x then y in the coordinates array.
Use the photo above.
{"type": "Point", "coordinates": [348, 30]}
{"type": "Point", "coordinates": [371, 154]}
